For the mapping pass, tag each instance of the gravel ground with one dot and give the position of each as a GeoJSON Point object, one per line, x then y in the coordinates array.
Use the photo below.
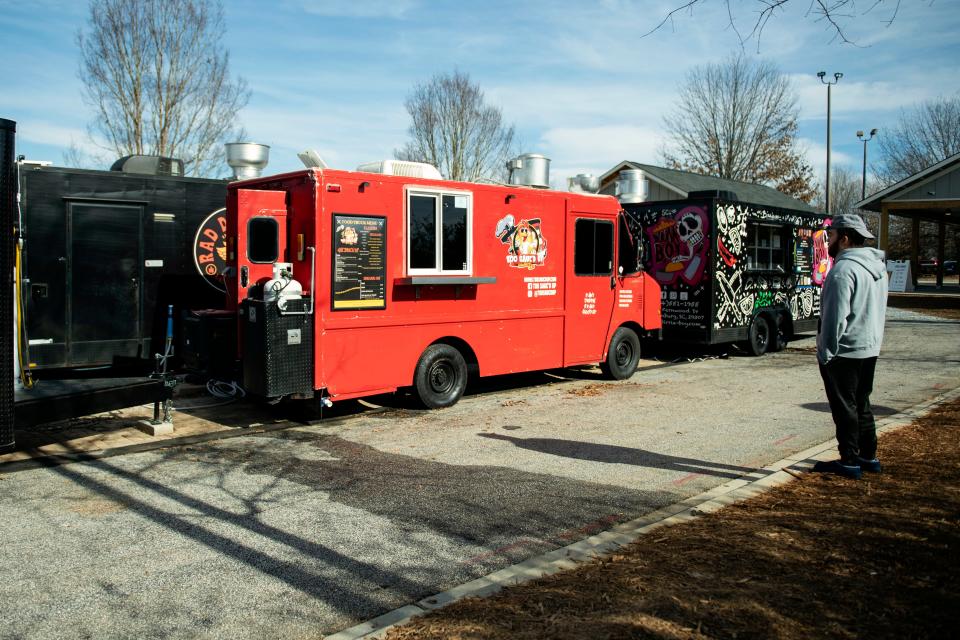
{"type": "Point", "coordinates": [309, 530]}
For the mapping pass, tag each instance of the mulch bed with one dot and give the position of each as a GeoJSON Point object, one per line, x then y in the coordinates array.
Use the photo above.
{"type": "Point", "coordinates": [821, 556]}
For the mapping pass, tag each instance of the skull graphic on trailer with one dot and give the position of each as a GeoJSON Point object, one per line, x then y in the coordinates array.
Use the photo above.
{"type": "Point", "coordinates": [689, 229]}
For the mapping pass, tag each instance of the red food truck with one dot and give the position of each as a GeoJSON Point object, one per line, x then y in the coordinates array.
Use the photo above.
{"type": "Point", "coordinates": [349, 284]}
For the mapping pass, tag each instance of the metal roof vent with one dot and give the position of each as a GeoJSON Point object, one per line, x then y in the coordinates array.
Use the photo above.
{"type": "Point", "coordinates": [583, 183]}
{"type": "Point", "coordinates": [403, 168]}
{"type": "Point", "coordinates": [531, 170]}
{"type": "Point", "coordinates": [247, 159]}
{"type": "Point", "coordinates": [149, 165]}
{"type": "Point", "coordinates": [632, 186]}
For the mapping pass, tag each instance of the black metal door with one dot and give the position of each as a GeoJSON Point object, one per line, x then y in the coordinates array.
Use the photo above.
{"type": "Point", "coordinates": [104, 273]}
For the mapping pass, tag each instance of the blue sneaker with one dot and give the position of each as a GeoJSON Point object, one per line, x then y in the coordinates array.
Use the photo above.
{"type": "Point", "coordinates": [840, 468]}
{"type": "Point", "coordinates": [870, 466]}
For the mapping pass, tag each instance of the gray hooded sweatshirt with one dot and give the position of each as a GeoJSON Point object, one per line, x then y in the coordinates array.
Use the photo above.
{"type": "Point", "coordinates": [853, 305]}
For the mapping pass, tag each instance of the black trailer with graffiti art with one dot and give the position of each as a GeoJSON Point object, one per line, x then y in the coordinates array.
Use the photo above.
{"type": "Point", "coordinates": [732, 271]}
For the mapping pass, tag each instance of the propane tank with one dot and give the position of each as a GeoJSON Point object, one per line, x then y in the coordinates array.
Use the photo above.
{"type": "Point", "coordinates": [282, 287]}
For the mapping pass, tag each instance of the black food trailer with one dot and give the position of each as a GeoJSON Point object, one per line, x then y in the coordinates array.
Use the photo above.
{"type": "Point", "coordinates": [106, 255]}
{"type": "Point", "coordinates": [731, 271]}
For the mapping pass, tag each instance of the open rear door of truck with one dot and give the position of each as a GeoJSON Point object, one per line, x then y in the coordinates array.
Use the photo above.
{"type": "Point", "coordinates": [257, 224]}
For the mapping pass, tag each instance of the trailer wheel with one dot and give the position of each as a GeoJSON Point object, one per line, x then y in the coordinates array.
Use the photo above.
{"type": "Point", "coordinates": [623, 355]}
{"type": "Point", "coordinates": [441, 376]}
{"type": "Point", "coordinates": [780, 339]}
{"type": "Point", "coordinates": [759, 336]}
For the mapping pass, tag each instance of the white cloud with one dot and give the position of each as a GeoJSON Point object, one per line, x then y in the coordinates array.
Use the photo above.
{"type": "Point", "coordinates": [816, 155]}
{"type": "Point", "coordinates": [850, 97]}
{"type": "Point", "coordinates": [360, 8]}
{"type": "Point", "coordinates": [45, 132]}
{"type": "Point", "coordinates": [597, 149]}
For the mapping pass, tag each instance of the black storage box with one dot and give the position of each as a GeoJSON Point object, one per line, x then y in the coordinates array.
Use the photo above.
{"type": "Point", "coordinates": [210, 343]}
{"type": "Point", "coordinates": [277, 349]}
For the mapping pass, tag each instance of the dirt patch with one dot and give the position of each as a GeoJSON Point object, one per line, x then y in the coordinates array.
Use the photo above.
{"type": "Point", "coordinates": [594, 389]}
{"type": "Point", "coordinates": [946, 313]}
{"type": "Point", "coordinates": [819, 557]}
{"type": "Point", "coordinates": [924, 302]}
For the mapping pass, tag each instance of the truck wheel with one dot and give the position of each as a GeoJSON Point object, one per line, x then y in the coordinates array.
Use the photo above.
{"type": "Point", "coordinates": [779, 339]}
{"type": "Point", "coordinates": [623, 355]}
{"type": "Point", "coordinates": [759, 336]}
{"type": "Point", "coordinates": [441, 376]}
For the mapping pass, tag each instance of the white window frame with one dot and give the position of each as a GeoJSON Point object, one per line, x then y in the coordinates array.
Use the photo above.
{"type": "Point", "coordinates": [437, 195]}
{"type": "Point", "coordinates": [752, 248]}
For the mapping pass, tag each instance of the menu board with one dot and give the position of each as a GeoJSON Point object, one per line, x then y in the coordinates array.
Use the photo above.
{"type": "Point", "coordinates": [359, 262]}
{"type": "Point", "coordinates": [803, 255]}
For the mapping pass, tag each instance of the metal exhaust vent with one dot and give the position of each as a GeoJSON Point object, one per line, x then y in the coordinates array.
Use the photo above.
{"type": "Point", "coordinates": [531, 170]}
{"type": "Point", "coordinates": [247, 159]}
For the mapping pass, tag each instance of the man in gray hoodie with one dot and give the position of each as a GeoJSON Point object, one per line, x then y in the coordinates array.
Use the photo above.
{"type": "Point", "coordinates": [852, 309]}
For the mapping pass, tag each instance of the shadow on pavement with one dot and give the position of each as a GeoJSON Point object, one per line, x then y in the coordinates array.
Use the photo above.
{"type": "Point", "coordinates": [505, 514]}
{"type": "Point", "coordinates": [824, 407]}
{"type": "Point", "coordinates": [615, 454]}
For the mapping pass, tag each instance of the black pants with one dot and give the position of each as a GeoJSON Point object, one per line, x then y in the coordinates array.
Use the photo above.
{"type": "Point", "coordinates": [848, 383]}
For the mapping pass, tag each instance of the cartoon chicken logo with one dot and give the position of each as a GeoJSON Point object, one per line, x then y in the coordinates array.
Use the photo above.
{"type": "Point", "coordinates": [527, 246]}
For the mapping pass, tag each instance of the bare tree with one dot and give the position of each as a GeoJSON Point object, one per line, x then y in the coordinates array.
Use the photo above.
{"type": "Point", "coordinates": [924, 135]}
{"type": "Point", "coordinates": [844, 191]}
{"type": "Point", "coordinates": [454, 129]}
{"type": "Point", "coordinates": [158, 78]}
{"type": "Point", "coordinates": [738, 120]}
{"type": "Point", "coordinates": [836, 15]}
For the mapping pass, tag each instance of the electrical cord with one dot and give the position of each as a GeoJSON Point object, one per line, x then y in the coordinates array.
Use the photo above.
{"type": "Point", "coordinates": [225, 390]}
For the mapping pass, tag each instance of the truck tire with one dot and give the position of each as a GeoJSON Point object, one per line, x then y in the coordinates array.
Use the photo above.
{"type": "Point", "coordinates": [780, 338]}
{"type": "Point", "coordinates": [623, 355]}
{"type": "Point", "coordinates": [441, 376]}
{"type": "Point", "coordinates": [758, 337]}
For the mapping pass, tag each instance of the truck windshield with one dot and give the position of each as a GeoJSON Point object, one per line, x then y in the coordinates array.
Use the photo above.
{"type": "Point", "coordinates": [629, 255]}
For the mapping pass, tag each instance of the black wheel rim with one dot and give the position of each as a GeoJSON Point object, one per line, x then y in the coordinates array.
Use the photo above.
{"type": "Point", "coordinates": [624, 354]}
{"type": "Point", "coordinates": [442, 377]}
{"type": "Point", "coordinates": [763, 335]}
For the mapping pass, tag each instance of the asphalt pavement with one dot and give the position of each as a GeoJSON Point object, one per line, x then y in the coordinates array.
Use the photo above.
{"type": "Point", "coordinates": [309, 530]}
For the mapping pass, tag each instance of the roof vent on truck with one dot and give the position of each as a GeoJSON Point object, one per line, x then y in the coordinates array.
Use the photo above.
{"type": "Point", "coordinates": [149, 165]}
{"type": "Point", "coordinates": [403, 168]}
{"type": "Point", "coordinates": [530, 170]}
{"type": "Point", "coordinates": [247, 159]}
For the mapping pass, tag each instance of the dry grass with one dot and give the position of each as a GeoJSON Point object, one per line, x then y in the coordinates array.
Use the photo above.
{"type": "Point", "coordinates": [820, 557]}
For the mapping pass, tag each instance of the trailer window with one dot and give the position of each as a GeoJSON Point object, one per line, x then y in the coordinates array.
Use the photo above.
{"type": "Point", "coordinates": [593, 248]}
{"type": "Point", "coordinates": [263, 240]}
{"type": "Point", "coordinates": [438, 226]}
{"type": "Point", "coordinates": [765, 248]}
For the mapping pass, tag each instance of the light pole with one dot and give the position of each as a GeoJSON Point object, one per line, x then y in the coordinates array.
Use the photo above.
{"type": "Point", "coordinates": [836, 79]}
{"type": "Point", "coordinates": [863, 187]}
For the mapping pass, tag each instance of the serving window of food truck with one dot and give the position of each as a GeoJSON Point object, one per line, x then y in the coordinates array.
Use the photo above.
{"type": "Point", "coordinates": [439, 232]}
{"type": "Point", "coordinates": [766, 247]}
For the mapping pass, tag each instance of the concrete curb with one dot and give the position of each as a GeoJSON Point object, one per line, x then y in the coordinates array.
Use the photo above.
{"type": "Point", "coordinates": [608, 542]}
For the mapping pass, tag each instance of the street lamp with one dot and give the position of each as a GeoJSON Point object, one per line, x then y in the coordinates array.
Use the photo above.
{"type": "Point", "coordinates": [836, 79]}
{"type": "Point", "coordinates": [863, 188]}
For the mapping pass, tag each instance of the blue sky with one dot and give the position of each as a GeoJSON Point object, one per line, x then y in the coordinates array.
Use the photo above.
{"type": "Point", "coordinates": [576, 78]}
